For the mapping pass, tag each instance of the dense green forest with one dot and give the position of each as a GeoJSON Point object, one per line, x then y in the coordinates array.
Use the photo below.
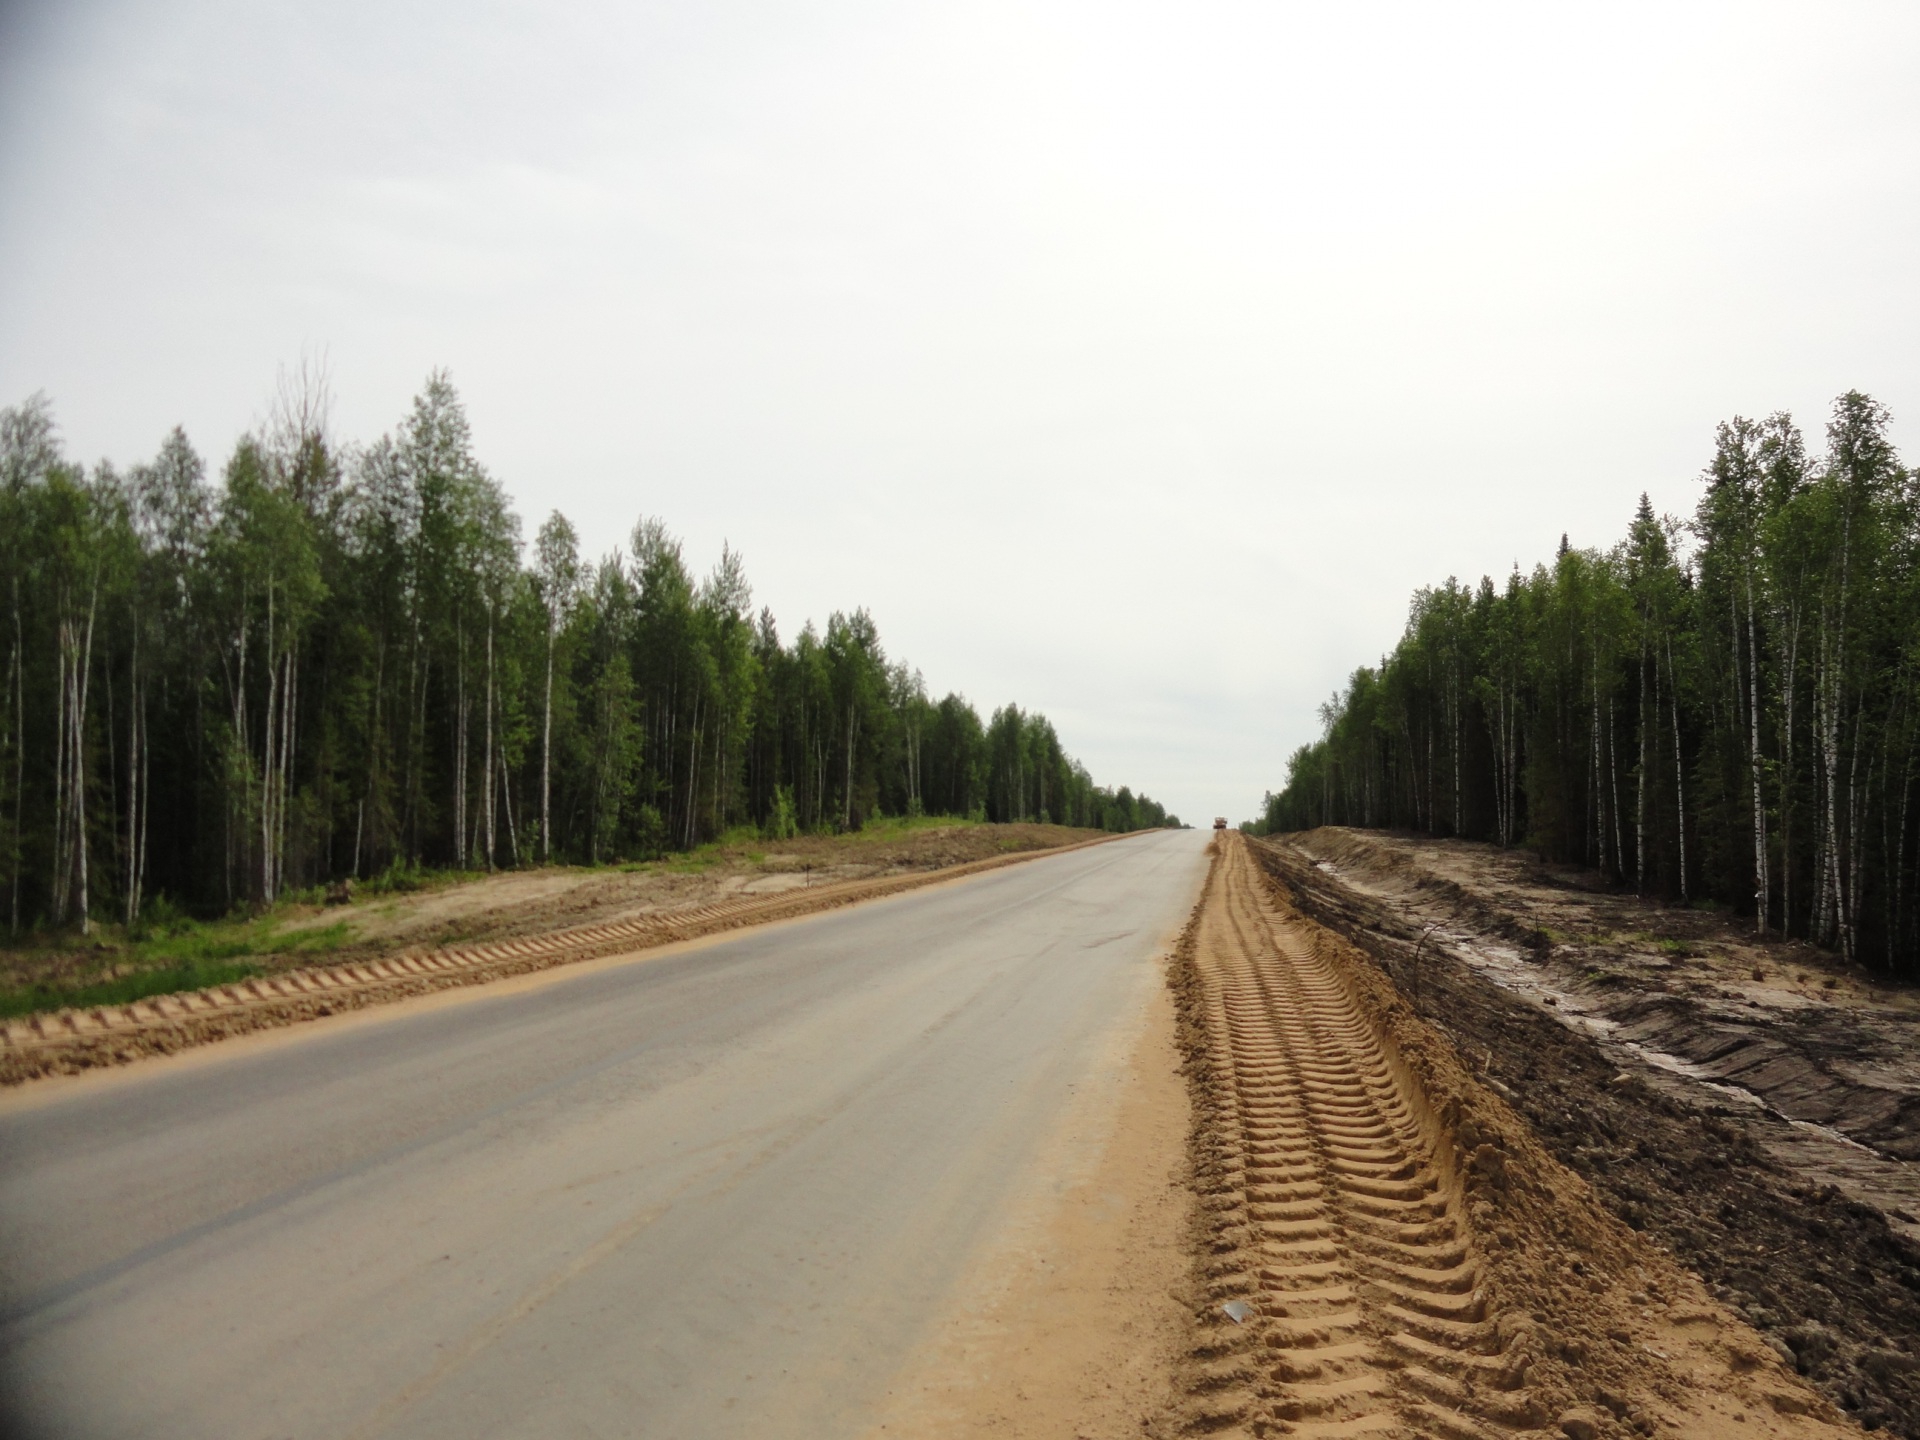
{"type": "Point", "coordinates": [338, 660]}
{"type": "Point", "coordinates": [1720, 710]}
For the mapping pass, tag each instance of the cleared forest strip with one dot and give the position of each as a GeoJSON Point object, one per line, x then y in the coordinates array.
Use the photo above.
{"type": "Point", "coordinates": [71, 1040]}
{"type": "Point", "coordinates": [1386, 1249]}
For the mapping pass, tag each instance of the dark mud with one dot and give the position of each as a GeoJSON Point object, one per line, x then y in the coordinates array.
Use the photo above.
{"type": "Point", "coordinates": [1814, 1065]}
{"type": "Point", "coordinates": [1809, 1037]}
{"type": "Point", "coordinates": [1825, 1279]}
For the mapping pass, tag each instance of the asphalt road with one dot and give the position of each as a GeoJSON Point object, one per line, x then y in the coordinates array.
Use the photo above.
{"type": "Point", "coordinates": [720, 1191]}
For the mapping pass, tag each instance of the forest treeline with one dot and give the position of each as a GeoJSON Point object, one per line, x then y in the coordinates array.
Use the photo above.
{"type": "Point", "coordinates": [339, 660]}
{"type": "Point", "coordinates": [1718, 710]}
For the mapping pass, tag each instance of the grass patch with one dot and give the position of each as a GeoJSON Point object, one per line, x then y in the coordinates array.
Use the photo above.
{"type": "Point", "coordinates": [165, 953]}
{"type": "Point", "coordinates": [696, 863]}
{"type": "Point", "coordinates": [398, 879]}
{"type": "Point", "coordinates": [206, 944]}
{"type": "Point", "coordinates": [124, 989]}
{"type": "Point", "coordinates": [891, 827]}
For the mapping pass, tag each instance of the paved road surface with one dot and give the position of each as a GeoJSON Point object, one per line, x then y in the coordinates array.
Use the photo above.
{"type": "Point", "coordinates": [719, 1192]}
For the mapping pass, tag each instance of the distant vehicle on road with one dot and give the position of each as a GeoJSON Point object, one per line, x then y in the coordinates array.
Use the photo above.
{"type": "Point", "coordinates": [1219, 822]}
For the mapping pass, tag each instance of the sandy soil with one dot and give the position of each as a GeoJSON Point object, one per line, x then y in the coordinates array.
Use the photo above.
{"type": "Point", "coordinates": [530, 902]}
{"type": "Point", "coordinates": [518, 903]}
{"type": "Point", "coordinates": [516, 944]}
{"type": "Point", "coordinates": [1704, 1157]}
{"type": "Point", "coordinates": [1387, 1248]}
{"type": "Point", "coordinates": [1073, 1326]}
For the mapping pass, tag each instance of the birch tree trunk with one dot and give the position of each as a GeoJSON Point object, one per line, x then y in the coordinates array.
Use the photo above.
{"type": "Point", "coordinates": [506, 799]}
{"type": "Point", "coordinates": [1679, 768]}
{"type": "Point", "coordinates": [1896, 928]}
{"type": "Point", "coordinates": [373, 748]}
{"type": "Point", "coordinates": [289, 736]}
{"type": "Point", "coordinates": [693, 772]}
{"type": "Point", "coordinates": [19, 759]}
{"type": "Point", "coordinates": [1791, 641]}
{"type": "Point", "coordinates": [135, 707]}
{"type": "Point", "coordinates": [84, 669]}
{"type": "Point", "coordinates": [546, 755]}
{"type": "Point", "coordinates": [62, 869]}
{"type": "Point", "coordinates": [1640, 802]}
{"type": "Point", "coordinates": [1599, 769]}
{"type": "Point", "coordinates": [1459, 808]}
{"type": "Point", "coordinates": [268, 748]}
{"type": "Point", "coordinates": [1613, 768]}
{"type": "Point", "coordinates": [1828, 721]}
{"type": "Point", "coordinates": [1762, 882]}
{"type": "Point", "coordinates": [487, 808]}
{"type": "Point", "coordinates": [460, 747]}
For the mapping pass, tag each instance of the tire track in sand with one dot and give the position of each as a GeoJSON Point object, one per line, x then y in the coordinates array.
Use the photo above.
{"type": "Point", "coordinates": [1357, 1260]}
{"type": "Point", "coordinates": [1385, 1248]}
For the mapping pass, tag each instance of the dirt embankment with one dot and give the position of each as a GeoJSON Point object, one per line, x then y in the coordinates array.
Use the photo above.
{"type": "Point", "coordinates": [1794, 1225]}
{"type": "Point", "coordinates": [1386, 1248]}
{"type": "Point", "coordinates": [523, 935]}
{"type": "Point", "coordinates": [1781, 1021]}
{"type": "Point", "coordinates": [532, 902]}
{"type": "Point", "coordinates": [517, 903]}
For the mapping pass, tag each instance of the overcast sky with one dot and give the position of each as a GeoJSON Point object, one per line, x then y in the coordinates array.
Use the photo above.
{"type": "Point", "coordinates": [1131, 362]}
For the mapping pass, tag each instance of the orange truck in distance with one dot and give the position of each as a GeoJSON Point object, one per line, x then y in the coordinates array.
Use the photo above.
{"type": "Point", "coordinates": [1219, 822]}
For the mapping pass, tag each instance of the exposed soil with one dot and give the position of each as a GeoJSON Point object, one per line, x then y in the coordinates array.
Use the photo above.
{"type": "Point", "coordinates": [1782, 1021]}
{"type": "Point", "coordinates": [72, 1040]}
{"type": "Point", "coordinates": [1385, 1245]}
{"type": "Point", "coordinates": [1683, 1089]}
{"type": "Point", "coordinates": [532, 902]}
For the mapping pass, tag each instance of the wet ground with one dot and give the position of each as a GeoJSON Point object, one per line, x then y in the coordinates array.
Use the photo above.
{"type": "Point", "coordinates": [1750, 1106]}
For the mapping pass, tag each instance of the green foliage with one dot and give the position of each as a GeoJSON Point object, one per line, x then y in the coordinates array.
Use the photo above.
{"type": "Point", "coordinates": [782, 821]}
{"type": "Point", "coordinates": [335, 662]}
{"type": "Point", "coordinates": [166, 951]}
{"type": "Point", "coordinates": [197, 944]}
{"type": "Point", "coordinates": [124, 989]}
{"type": "Point", "coordinates": [1725, 710]}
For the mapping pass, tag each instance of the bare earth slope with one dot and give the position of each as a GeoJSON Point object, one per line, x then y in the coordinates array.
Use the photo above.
{"type": "Point", "coordinates": [1389, 1250]}
{"type": "Point", "coordinates": [534, 901]}
{"type": "Point", "coordinates": [1756, 1127]}
{"type": "Point", "coordinates": [510, 925]}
